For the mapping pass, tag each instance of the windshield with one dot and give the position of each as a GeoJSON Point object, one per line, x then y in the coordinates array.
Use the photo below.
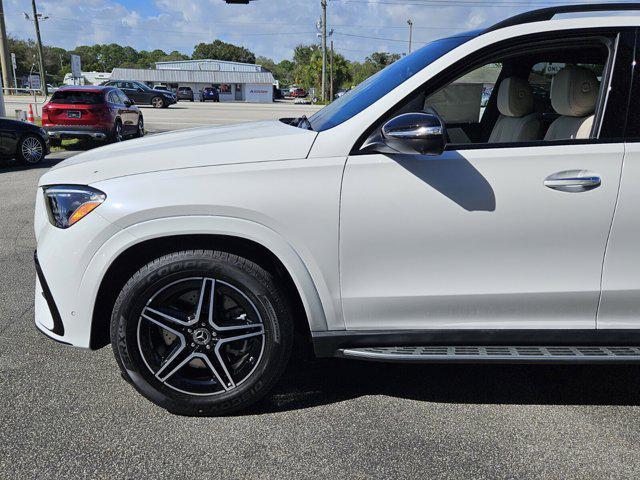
{"type": "Point", "coordinates": [378, 85]}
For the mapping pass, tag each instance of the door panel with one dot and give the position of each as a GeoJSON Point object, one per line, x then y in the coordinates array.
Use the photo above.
{"type": "Point", "coordinates": [474, 239]}
{"type": "Point", "coordinates": [620, 304]}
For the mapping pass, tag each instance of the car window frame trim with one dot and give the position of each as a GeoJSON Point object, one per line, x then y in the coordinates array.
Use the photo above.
{"type": "Point", "coordinates": [461, 66]}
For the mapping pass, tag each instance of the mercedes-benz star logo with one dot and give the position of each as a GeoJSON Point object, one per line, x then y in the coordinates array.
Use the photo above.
{"type": "Point", "coordinates": [201, 336]}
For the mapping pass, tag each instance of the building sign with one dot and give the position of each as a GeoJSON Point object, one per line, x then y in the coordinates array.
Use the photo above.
{"type": "Point", "coordinates": [34, 82]}
{"type": "Point", "coordinates": [76, 66]}
{"type": "Point", "coordinates": [259, 93]}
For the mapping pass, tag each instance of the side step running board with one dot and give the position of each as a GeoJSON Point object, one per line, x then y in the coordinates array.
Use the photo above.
{"type": "Point", "coordinates": [496, 354]}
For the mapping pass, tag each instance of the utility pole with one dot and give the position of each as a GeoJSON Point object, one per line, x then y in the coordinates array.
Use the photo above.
{"type": "Point", "coordinates": [410, 23]}
{"type": "Point", "coordinates": [331, 75]}
{"type": "Point", "coordinates": [36, 23]}
{"type": "Point", "coordinates": [4, 50]}
{"type": "Point", "coordinates": [324, 49]}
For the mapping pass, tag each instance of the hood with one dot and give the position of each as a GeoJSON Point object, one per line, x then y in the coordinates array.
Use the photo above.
{"type": "Point", "coordinates": [198, 147]}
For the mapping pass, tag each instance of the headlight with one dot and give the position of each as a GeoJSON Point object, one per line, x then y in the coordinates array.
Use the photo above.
{"type": "Point", "coordinates": [67, 204]}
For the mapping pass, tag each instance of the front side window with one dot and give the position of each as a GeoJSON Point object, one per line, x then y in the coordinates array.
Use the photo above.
{"type": "Point", "coordinates": [534, 94]}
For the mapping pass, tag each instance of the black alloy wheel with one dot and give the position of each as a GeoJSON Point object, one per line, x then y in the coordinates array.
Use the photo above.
{"type": "Point", "coordinates": [201, 332]}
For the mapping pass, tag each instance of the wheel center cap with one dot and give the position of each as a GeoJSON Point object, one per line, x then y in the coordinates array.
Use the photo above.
{"type": "Point", "coordinates": [201, 336]}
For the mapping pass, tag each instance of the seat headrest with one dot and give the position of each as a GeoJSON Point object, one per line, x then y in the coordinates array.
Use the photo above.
{"type": "Point", "coordinates": [514, 97]}
{"type": "Point", "coordinates": [574, 91]}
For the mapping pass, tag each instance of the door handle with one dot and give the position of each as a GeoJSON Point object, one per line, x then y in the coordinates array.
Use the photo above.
{"type": "Point", "coordinates": [573, 181]}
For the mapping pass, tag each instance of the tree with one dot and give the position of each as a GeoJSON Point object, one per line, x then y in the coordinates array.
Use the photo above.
{"type": "Point", "coordinates": [283, 71]}
{"type": "Point", "coordinates": [307, 69]}
{"type": "Point", "coordinates": [382, 59]}
{"type": "Point", "coordinates": [219, 50]}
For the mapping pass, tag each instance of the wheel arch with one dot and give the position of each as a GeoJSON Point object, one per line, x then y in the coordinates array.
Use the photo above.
{"type": "Point", "coordinates": [308, 312]}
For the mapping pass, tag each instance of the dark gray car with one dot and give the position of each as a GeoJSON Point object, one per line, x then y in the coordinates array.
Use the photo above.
{"type": "Point", "coordinates": [142, 94]}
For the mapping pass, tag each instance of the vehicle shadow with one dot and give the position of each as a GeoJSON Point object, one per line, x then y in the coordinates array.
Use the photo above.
{"type": "Point", "coordinates": [319, 382]}
{"type": "Point", "coordinates": [11, 165]}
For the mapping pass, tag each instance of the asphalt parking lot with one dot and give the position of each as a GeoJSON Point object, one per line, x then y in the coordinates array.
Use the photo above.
{"type": "Point", "coordinates": [66, 413]}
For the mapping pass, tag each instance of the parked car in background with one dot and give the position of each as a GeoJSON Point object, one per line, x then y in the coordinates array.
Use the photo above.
{"type": "Point", "coordinates": [340, 92]}
{"type": "Point", "coordinates": [298, 93]}
{"type": "Point", "coordinates": [95, 112]}
{"type": "Point", "coordinates": [209, 93]}
{"type": "Point", "coordinates": [26, 142]}
{"type": "Point", "coordinates": [142, 94]}
{"type": "Point", "coordinates": [185, 93]}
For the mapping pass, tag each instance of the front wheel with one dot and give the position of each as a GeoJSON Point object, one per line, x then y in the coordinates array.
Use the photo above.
{"type": "Point", "coordinates": [157, 102]}
{"type": "Point", "coordinates": [202, 332]}
{"type": "Point", "coordinates": [31, 150]}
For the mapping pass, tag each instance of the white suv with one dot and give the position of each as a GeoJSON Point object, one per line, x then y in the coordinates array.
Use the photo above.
{"type": "Point", "coordinates": [474, 201]}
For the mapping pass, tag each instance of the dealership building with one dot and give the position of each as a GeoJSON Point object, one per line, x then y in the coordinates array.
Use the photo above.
{"type": "Point", "coordinates": [235, 82]}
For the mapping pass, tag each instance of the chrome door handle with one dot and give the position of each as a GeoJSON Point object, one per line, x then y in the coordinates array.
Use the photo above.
{"type": "Point", "coordinates": [573, 181]}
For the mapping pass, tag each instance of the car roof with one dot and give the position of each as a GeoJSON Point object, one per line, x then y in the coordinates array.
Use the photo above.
{"type": "Point", "coordinates": [544, 14]}
{"type": "Point", "coordinates": [85, 88]}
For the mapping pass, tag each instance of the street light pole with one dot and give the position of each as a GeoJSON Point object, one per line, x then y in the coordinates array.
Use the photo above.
{"type": "Point", "coordinates": [410, 23]}
{"type": "Point", "coordinates": [324, 49]}
{"type": "Point", "coordinates": [36, 22]}
{"type": "Point", "coordinates": [331, 75]}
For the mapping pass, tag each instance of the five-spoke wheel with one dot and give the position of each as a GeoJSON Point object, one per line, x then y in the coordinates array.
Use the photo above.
{"type": "Point", "coordinates": [201, 347]}
{"type": "Point", "coordinates": [202, 332]}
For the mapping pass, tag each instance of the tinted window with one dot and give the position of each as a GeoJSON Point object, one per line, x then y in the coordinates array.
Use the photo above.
{"type": "Point", "coordinates": [378, 85]}
{"type": "Point", "coordinates": [77, 97]}
{"type": "Point", "coordinates": [122, 97]}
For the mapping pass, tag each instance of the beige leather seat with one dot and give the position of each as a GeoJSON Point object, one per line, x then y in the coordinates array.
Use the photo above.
{"type": "Point", "coordinates": [574, 92]}
{"type": "Point", "coordinates": [517, 122]}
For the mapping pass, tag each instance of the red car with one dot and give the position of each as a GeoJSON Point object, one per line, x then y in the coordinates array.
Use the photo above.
{"type": "Point", "coordinates": [298, 93]}
{"type": "Point", "coordinates": [96, 112]}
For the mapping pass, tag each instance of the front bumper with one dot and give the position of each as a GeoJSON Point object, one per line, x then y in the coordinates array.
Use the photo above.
{"type": "Point", "coordinates": [64, 296]}
{"type": "Point", "coordinates": [48, 319]}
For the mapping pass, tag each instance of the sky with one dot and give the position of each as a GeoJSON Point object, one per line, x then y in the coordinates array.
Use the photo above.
{"type": "Point", "coordinates": [270, 28]}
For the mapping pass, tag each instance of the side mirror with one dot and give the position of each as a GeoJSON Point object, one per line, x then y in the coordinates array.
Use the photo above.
{"type": "Point", "coordinates": [128, 103]}
{"type": "Point", "coordinates": [415, 133]}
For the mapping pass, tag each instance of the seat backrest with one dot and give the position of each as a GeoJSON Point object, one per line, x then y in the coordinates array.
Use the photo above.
{"type": "Point", "coordinates": [517, 122]}
{"type": "Point", "coordinates": [574, 93]}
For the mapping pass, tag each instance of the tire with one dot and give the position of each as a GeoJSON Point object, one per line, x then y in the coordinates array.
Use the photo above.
{"type": "Point", "coordinates": [140, 128]}
{"type": "Point", "coordinates": [118, 134]}
{"type": "Point", "coordinates": [171, 371]}
{"type": "Point", "coordinates": [31, 150]}
{"type": "Point", "coordinates": [191, 100]}
{"type": "Point", "coordinates": [157, 102]}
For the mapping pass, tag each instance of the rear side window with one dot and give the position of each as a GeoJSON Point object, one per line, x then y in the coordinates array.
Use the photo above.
{"type": "Point", "coordinates": [77, 97]}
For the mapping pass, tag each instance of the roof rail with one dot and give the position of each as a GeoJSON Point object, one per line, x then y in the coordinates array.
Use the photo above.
{"type": "Point", "coordinates": [543, 14]}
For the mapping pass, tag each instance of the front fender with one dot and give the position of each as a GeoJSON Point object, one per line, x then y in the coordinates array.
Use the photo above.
{"type": "Point", "coordinates": [311, 285]}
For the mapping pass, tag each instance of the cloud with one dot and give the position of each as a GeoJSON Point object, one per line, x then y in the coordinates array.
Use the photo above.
{"type": "Point", "coordinates": [267, 27]}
